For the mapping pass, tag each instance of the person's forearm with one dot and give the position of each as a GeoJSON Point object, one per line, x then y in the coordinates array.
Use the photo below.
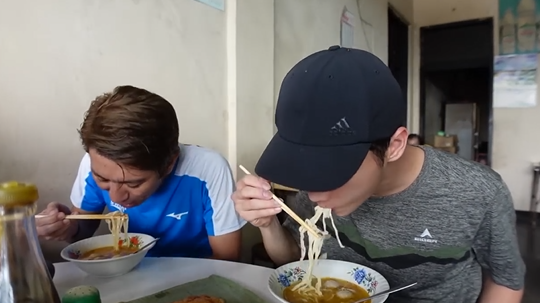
{"type": "Point", "coordinates": [84, 229]}
{"type": "Point", "coordinates": [227, 247]}
{"type": "Point", "coordinates": [279, 244]}
{"type": "Point", "coordinates": [494, 293]}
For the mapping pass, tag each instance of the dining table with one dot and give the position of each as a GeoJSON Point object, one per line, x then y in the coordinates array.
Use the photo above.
{"type": "Point", "coordinates": [156, 274]}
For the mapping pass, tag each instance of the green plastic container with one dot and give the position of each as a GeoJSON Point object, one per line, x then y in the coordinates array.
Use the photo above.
{"type": "Point", "coordinates": [82, 294]}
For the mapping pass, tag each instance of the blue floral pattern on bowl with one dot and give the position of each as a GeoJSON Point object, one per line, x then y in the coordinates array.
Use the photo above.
{"type": "Point", "coordinates": [364, 279]}
{"type": "Point", "coordinates": [290, 276]}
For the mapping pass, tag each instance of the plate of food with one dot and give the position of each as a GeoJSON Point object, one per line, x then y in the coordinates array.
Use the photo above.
{"type": "Point", "coordinates": [214, 289]}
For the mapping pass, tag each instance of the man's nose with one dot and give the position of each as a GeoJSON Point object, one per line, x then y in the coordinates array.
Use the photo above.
{"type": "Point", "coordinates": [117, 193]}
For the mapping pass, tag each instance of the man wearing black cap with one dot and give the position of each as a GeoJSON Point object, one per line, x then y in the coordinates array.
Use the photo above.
{"type": "Point", "coordinates": [414, 214]}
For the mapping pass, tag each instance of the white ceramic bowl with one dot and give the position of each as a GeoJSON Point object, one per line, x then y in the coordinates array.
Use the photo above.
{"type": "Point", "coordinates": [367, 278]}
{"type": "Point", "coordinates": [108, 267]}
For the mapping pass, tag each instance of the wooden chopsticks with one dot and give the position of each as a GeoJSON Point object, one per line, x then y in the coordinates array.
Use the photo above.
{"type": "Point", "coordinates": [86, 217]}
{"type": "Point", "coordinates": [289, 211]}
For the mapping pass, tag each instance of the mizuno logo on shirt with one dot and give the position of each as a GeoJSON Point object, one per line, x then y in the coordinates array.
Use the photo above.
{"type": "Point", "coordinates": [177, 216]}
{"type": "Point", "coordinates": [118, 206]}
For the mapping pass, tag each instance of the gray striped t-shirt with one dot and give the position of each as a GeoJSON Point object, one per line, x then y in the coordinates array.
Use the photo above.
{"type": "Point", "coordinates": [455, 221]}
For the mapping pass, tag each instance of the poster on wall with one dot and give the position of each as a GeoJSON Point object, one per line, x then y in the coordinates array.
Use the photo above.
{"type": "Point", "coordinates": [514, 81]}
{"type": "Point", "coordinates": [217, 4]}
{"type": "Point", "coordinates": [519, 26]}
{"type": "Point", "coordinates": [347, 29]}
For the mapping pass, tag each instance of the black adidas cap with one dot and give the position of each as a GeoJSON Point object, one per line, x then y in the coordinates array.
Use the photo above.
{"type": "Point", "coordinates": [332, 105]}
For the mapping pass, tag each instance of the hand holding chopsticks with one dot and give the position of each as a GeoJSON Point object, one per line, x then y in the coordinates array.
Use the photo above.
{"type": "Point", "coordinates": [58, 222]}
{"type": "Point", "coordinates": [289, 211]}
{"type": "Point", "coordinates": [84, 217]}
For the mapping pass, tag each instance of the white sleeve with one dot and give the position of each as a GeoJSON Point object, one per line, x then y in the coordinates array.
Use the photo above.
{"type": "Point", "coordinates": [219, 215]}
{"type": "Point", "coordinates": [85, 194]}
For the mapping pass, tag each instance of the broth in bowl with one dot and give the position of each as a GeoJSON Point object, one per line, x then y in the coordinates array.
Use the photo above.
{"type": "Point", "coordinates": [107, 252]}
{"type": "Point", "coordinates": [125, 247]}
{"type": "Point", "coordinates": [332, 291]}
{"type": "Point", "coordinates": [108, 267]}
{"type": "Point", "coordinates": [331, 281]}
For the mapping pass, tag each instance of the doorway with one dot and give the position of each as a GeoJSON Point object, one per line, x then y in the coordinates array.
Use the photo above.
{"type": "Point", "coordinates": [456, 73]}
{"type": "Point", "coordinates": [398, 50]}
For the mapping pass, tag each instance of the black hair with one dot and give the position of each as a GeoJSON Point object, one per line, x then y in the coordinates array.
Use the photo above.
{"type": "Point", "coordinates": [379, 148]}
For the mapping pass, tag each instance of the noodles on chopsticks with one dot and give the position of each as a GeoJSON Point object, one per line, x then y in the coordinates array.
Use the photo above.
{"type": "Point", "coordinates": [313, 251]}
{"type": "Point", "coordinates": [118, 223]}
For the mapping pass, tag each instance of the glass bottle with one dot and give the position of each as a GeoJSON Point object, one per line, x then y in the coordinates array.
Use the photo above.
{"type": "Point", "coordinates": [24, 277]}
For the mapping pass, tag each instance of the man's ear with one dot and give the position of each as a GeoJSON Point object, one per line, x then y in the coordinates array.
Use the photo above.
{"type": "Point", "coordinates": [397, 145]}
{"type": "Point", "coordinates": [173, 161]}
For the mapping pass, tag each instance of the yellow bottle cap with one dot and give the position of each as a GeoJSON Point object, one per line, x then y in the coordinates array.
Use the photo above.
{"type": "Point", "coordinates": [15, 193]}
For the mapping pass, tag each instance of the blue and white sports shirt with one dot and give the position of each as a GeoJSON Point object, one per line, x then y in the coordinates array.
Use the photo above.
{"type": "Point", "coordinates": [192, 203]}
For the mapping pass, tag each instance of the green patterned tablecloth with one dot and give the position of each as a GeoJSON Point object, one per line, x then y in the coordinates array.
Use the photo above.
{"type": "Point", "coordinates": [214, 285]}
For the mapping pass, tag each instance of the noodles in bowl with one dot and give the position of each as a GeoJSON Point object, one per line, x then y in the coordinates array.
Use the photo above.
{"type": "Point", "coordinates": [109, 255]}
{"type": "Point", "coordinates": [118, 223]}
{"type": "Point", "coordinates": [118, 226]}
{"type": "Point", "coordinates": [324, 281]}
{"type": "Point", "coordinates": [108, 266]}
{"type": "Point", "coordinates": [332, 290]}
{"type": "Point", "coordinates": [341, 281]}
{"type": "Point", "coordinates": [306, 285]}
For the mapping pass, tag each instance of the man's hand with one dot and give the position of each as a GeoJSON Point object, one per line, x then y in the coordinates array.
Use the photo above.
{"type": "Point", "coordinates": [54, 225]}
{"type": "Point", "coordinates": [253, 201]}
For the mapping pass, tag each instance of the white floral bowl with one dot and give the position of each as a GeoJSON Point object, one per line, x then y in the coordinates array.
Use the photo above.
{"type": "Point", "coordinates": [367, 278]}
{"type": "Point", "coordinates": [107, 267]}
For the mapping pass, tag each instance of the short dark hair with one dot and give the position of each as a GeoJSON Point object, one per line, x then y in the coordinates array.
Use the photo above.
{"type": "Point", "coordinates": [417, 137]}
{"type": "Point", "coordinates": [379, 148]}
{"type": "Point", "coordinates": [132, 127]}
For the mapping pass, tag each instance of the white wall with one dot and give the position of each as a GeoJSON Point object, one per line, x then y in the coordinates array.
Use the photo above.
{"type": "Point", "coordinates": [254, 121]}
{"type": "Point", "coordinates": [514, 145]}
{"type": "Point", "coordinates": [58, 55]}
{"type": "Point", "coordinates": [303, 27]}
{"type": "Point", "coordinates": [255, 78]}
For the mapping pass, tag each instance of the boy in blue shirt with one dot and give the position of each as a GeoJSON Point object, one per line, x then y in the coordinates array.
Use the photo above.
{"type": "Point", "coordinates": [134, 164]}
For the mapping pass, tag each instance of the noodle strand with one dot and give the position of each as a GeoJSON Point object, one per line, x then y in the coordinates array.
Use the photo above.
{"type": "Point", "coordinates": [117, 224]}
{"type": "Point", "coordinates": [314, 249]}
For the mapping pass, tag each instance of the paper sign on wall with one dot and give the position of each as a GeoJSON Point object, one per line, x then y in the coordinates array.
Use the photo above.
{"type": "Point", "coordinates": [519, 26]}
{"type": "Point", "coordinates": [347, 29]}
{"type": "Point", "coordinates": [514, 81]}
{"type": "Point", "coordinates": [217, 4]}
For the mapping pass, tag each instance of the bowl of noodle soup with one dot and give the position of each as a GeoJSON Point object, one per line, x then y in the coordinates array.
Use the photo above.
{"type": "Point", "coordinates": [314, 279]}
{"type": "Point", "coordinates": [334, 282]}
{"type": "Point", "coordinates": [97, 255]}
